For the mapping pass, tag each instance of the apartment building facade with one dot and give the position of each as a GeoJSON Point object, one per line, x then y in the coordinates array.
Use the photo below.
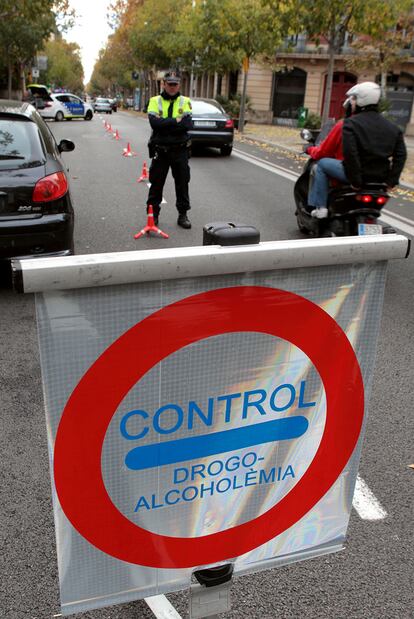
{"type": "Point", "coordinates": [278, 96]}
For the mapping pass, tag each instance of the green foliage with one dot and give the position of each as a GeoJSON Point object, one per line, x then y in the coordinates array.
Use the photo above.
{"type": "Point", "coordinates": [384, 105]}
{"type": "Point", "coordinates": [232, 104]}
{"type": "Point", "coordinates": [381, 49]}
{"type": "Point", "coordinates": [64, 65]}
{"type": "Point", "coordinates": [330, 21]}
{"type": "Point", "coordinates": [24, 28]}
{"type": "Point", "coordinates": [152, 32]}
{"type": "Point", "coordinates": [203, 37]}
{"type": "Point", "coordinates": [313, 121]}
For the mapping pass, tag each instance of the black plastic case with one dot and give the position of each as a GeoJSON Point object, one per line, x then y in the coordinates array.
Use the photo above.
{"type": "Point", "coordinates": [230, 233]}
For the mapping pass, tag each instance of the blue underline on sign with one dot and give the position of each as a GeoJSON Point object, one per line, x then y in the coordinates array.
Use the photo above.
{"type": "Point", "coordinates": [181, 450]}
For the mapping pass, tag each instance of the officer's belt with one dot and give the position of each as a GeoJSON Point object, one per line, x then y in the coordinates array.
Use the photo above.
{"type": "Point", "coordinates": [171, 147]}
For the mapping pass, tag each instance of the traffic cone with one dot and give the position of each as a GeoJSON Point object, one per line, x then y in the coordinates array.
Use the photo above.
{"type": "Point", "coordinates": [150, 227]}
{"type": "Point", "coordinates": [144, 174]}
{"type": "Point", "coordinates": [109, 128]}
{"type": "Point", "coordinates": [116, 135]}
{"type": "Point", "coordinates": [128, 152]}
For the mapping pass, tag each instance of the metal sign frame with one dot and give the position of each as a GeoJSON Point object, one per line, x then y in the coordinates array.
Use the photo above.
{"type": "Point", "coordinates": [239, 300]}
{"type": "Point", "coordinates": [108, 269]}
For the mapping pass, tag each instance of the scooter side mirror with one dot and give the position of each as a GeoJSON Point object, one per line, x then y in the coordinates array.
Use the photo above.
{"type": "Point", "coordinates": [305, 134]}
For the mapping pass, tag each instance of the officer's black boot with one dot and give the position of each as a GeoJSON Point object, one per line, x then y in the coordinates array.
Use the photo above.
{"type": "Point", "coordinates": [183, 221]}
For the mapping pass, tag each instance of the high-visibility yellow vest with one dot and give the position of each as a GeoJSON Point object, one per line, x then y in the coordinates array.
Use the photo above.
{"type": "Point", "coordinates": [160, 106]}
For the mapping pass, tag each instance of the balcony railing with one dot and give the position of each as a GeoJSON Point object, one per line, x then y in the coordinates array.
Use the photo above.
{"type": "Point", "coordinates": [301, 45]}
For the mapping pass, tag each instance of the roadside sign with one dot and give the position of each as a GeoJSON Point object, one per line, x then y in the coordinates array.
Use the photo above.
{"type": "Point", "coordinates": [35, 72]}
{"type": "Point", "coordinates": [212, 417]}
{"type": "Point", "coordinates": [184, 323]}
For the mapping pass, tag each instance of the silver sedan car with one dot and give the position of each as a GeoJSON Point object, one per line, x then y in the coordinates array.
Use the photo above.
{"type": "Point", "coordinates": [103, 105]}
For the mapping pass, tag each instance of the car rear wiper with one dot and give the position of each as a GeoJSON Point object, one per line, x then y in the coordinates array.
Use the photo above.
{"type": "Point", "coordinates": [11, 157]}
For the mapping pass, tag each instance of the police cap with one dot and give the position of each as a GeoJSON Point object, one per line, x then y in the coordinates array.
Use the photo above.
{"type": "Point", "coordinates": [172, 77]}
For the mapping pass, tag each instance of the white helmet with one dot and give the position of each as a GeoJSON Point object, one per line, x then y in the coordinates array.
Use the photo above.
{"type": "Point", "coordinates": [366, 93]}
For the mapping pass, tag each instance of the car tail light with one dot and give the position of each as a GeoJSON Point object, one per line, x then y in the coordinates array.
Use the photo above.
{"type": "Point", "coordinates": [363, 198]}
{"type": "Point", "coordinates": [47, 104]}
{"type": "Point", "coordinates": [50, 188]}
{"type": "Point", "coordinates": [382, 199]}
{"type": "Point", "coordinates": [229, 124]}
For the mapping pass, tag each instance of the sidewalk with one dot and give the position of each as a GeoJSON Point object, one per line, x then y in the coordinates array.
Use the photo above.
{"type": "Point", "coordinates": [279, 138]}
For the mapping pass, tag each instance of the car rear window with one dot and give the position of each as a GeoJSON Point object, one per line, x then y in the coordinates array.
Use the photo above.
{"type": "Point", "coordinates": [201, 107]}
{"type": "Point", "coordinates": [20, 145]}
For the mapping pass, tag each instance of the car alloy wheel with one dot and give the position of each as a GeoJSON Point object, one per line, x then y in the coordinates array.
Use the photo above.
{"type": "Point", "coordinates": [88, 115]}
{"type": "Point", "coordinates": [59, 116]}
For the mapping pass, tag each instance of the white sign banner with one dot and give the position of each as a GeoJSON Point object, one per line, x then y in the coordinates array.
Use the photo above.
{"type": "Point", "coordinates": [204, 420]}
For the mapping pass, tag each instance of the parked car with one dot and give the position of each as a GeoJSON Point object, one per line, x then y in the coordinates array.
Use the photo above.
{"type": "Point", "coordinates": [114, 104]}
{"type": "Point", "coordinates": [103, 105]}
{"type": "Point", "coordinates": [60, 106]}
{"type": "Point", "coordinates": [36, 213]}
{"type": "Point", "coordinates": [211, 126]}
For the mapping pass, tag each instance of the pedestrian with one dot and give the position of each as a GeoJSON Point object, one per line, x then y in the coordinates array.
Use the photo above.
{"type": "Point", "coordinates": [170, 118]}
{"type": "Point", "coordinates": [373, 149]}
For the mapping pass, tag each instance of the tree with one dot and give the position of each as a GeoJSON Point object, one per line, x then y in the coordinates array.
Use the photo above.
{"type": "Point", "coordinates": [23, 33]}
{"type": "Point", "coordinates": [116, 62]}
{"type": "Point", "coordinates": [64, 65]}
{"type": "Point", "coordinates": [331, 21]}
{"type": "Point", "coordinates": [228, 34]}
{"type": "Point", "coordinates": [381, 51]}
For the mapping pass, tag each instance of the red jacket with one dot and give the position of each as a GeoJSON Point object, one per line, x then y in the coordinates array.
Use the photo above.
{"type": "Point", "coordinates": [331, 145]}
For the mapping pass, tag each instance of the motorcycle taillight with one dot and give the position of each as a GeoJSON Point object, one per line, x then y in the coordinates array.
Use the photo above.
{"type": "Point", "coordinates": [363, 198]}
{"type": "Point", "coordinates": [382, 200]}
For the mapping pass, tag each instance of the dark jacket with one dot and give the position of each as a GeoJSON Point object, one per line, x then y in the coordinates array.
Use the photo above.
{"type": "Point", "coordinates": [374, 149]}
{"type": "Point", "coordinates": [165, 130]}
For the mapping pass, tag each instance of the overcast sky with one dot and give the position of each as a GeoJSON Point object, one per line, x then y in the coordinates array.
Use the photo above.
{"type": "Point", "coordinates": [90, 31]}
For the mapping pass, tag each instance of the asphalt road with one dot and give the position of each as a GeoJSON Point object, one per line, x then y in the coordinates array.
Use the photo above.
{"type": "Point", "coordinates": [373, 577]}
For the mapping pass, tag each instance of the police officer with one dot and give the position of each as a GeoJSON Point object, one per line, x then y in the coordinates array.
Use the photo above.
{"type": "Point", "coordinates": [170, 118]}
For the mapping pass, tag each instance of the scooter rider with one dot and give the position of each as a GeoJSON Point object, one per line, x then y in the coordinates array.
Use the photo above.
{"type": "Point", "coordinates": [329, 155]}
{"type": "Point", "coordinates": [374, 148]}
{"type": "Point", "coordinates": [368, 145]}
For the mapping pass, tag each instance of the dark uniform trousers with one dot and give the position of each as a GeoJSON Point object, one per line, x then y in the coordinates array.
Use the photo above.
{"type": "Point", "coordinates": [176, 158]}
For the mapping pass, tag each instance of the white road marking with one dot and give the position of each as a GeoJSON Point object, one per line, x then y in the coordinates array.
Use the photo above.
{"type": "Point", "coordinates": [366, 504]}
{"type": "Point", "coordinates": [266, 165]}
{"type": "Point", "coordinates": [161, 607]}
{"type": "Point", "coordinates": [394, 221]}
{"type": "Point", "coordinates": [391, 219]}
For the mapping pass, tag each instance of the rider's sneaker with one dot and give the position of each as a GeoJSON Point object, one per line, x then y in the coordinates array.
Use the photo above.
{"type": "Point", "coordinates": [320, 213]}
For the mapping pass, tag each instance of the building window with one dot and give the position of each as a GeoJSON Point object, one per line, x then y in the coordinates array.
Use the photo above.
{"type": "Point", "coordinates": [233, 81]}
{"type": "Point", "coordinates": [288, 93]}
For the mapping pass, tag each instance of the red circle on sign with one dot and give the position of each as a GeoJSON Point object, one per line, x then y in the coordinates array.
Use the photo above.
{"type": "Point", "coordinates": [91, 406]}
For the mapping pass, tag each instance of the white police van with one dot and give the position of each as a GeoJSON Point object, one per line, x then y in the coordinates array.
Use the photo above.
{"type": "Point", "coordinates": [59, 105]}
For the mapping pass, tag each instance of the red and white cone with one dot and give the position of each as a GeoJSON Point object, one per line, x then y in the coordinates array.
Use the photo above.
{"type": "Point", "coordinates": [128, 152]}
{"type": "Point", "coordinates": [144, 174]}
{"type": "Point", "coordinates": [151, 227]}
{"type": "Point", "coordinates": [109, 128]}
{"type": "Point", "coordinates": [116, 135]}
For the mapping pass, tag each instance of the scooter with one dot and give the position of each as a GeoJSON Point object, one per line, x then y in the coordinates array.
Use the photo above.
{"type": "Point", "coordinates": [350, 212]}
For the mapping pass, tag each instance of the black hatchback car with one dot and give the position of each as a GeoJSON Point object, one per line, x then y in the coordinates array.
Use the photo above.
{"type": "Point", "coordinates": [211, 126]}
{"type": "Point", "coordinates": [36, 212]}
